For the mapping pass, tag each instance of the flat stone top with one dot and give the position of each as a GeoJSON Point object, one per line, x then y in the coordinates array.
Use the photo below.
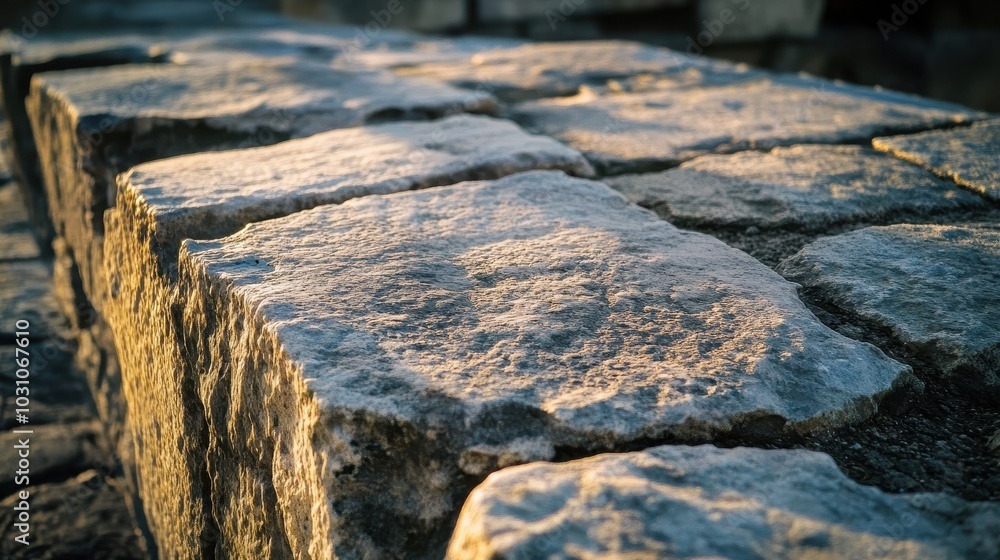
{"type": "Point", "coordinates": [705, 502]}
{"type": "Point", "coordinates": [934, 287]}
{"type": "Point", "coordinates": [191, 196]}
{"type": "Point", "coordinates": [251, 93]}
{"type": "Point", "coordinates": [650, 130]}
{"type": "Point", "coordinates": [551, 69]}
{"type": "Point", "coordinates": [802, 187]}
{"type": "Point", "coordinates": [544, 293]}
{"type": "Point", "coordinates": [970, 155]}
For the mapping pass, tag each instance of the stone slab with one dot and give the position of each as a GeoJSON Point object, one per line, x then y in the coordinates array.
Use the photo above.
{"type": "Point", "coordinates": [540, 70]}
{"type": "Point", "coordinates": [705, 502]}
{"type": "Point", "coordinates": [803, 188]}
{"type": "Point", "coordinates": [970, 156]}
{"type": "Point", "coordinates": [215, 194]}
{"type": "Point", "coordinates": [930, 286]}
{"type": "Point", "coordinates": [372, 360]}
{"type": "Point", "coordinates": [83, 517]}
{"type": "Point", "coordinates": [654, 130]}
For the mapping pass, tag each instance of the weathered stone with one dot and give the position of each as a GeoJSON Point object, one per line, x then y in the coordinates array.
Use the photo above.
{"type": "Point", "coordinates": [705, 502]}
{"type": "Point", "coordinates": [552, 69]}
{"type": "Point", "coordinates": [210, 195]}
{"type": "Point", "coordinates": [930, 286]}
{"type": "Point", "coordinates": [84, 517]}
{"type": "Point", "coordinates": [361, 366]}
{"type": "Point", "coordinates": [748, 21]}
{"type": "Point", "coordinates": [554, 12]}
{"type": "Point", "coordinates": [970, 156]}
{"type": "Point", "coordinates": [658, 129]}
{"type": "Point", "coordinates": [26, 294]}
{"type": "Point", "coordinates": [799, 188]}
{"type": "Point", "coordinates": [91, 125]}
{"type": "Point", "coordinates": [60, 450]}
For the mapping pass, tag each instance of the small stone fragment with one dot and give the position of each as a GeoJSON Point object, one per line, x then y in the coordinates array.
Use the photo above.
{"type": "Point", "coordinates": [970, 156]}
{"type": "Point", "coordinates": [705, 502]}
{"type": "Point", "coordinates": [801, 188]}
{"type": "Point", "coordinates": [653, 130]}
{"type": "Point", "coordinates": [932, 287]}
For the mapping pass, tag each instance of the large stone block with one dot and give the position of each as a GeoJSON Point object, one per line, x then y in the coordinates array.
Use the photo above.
{"type": "Point", "coordinates": [653, 130]}
{"type": "Point", "coordinates": [931, 287]}
{"type": "Point", "coordinates": [705, 502]}
{"type": "Point", "coordinates": [363, 366]}
{"type": "Point", "coordinates": [970, 156]}
{"type": "Point", "coordinates": [215, 194]}
{"type": "Point", "coordinates": [802, 188]}
{"type": "Point", "coordinates": [553, 69]}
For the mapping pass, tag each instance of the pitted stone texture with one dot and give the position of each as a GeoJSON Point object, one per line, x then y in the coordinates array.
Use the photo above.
{"type": "Point", "coordinates": [800, 188]}
{"type": "Point", "coordinates": [394, 349]}
{"type": "Point", "coordinates": [705, 502]}
{"type": "Point", "coordinates": [212, 195]}
{"type": "Point", "coordinates": [932, 287]}
{"type": "Point", "coordinates": [552, 69]}
{"type": "Point", "coordinates": [91, 125]}
{"type": "Point", "coordinates": [970, 156]}
{"type": "Point", "coordinates": [83, 517]}
{"type": "Point", "coordinates": [554, 12]}
{"type": "Point", "coordinates": [657, 129]}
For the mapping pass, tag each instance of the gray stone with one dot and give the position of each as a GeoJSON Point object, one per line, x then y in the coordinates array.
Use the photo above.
{"type": "Point", "coordinates": [930, 286]}
{"type": "Point", "coordinates": [26, 294]}
{"type": "Point", "coordinates": [16, 239]}
{"type": "Point", "coordinates": [375, 16]}
{"type": "Point", "coordinates": [90, 125]}
{"type": "Point", "coordinates": [970, 156]}
{"type": "Point", "coordinates": [210, 195]}
{"type": "Point", "coordinates": [368, 362]}
{"type": "Point", "coordinates": [84, 517]}
{"type": "Point", "coordinates": [659, 129]}
{"type": "Point", "coordinates": [421, 51]}
{"type": "Point", "coordinates": [748, 21]}
{"type": "Point", "coordinates": [800, 188]}
{"type": "Point", "coordinates": [554, 12]}
{"type": "Point", "coordinates": [59, 395]}
{"type": "Point", "coordinates": [705, 502]}
{"type": "Point", "coordinates": [552, 69]}
{"type": "Point", "coordinates": [56, 452]}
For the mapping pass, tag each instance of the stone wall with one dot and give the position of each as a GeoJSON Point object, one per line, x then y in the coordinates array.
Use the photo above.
{"type": "Point", "coordinates": [338, 291]}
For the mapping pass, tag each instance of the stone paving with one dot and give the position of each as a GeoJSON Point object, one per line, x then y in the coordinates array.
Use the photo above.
{"type": "Point", "coordinates": [291, 355]}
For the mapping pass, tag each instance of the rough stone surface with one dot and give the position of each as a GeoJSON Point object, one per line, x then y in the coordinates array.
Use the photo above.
{"type": "Point", "coordinates": [970, 155]}
{"type": "Point", "coordinates": [209, 195]}
{"type": "Point", "coordinates": [705, 502]}
{"type": "Point", "coordinates": [552, 69]}
{"type": "Point", "coordinates": [84, 517]}
{"type": "Point", "coordinates": [754, 21]}
{"type": "Point", "coordinates": [508, 319]}
{"type": "Point", "coordinates": [652, 130]}
{"type": "Point", "coordinates": [930, 286]}
{"type": "Point", "coordinates": [799, 188]}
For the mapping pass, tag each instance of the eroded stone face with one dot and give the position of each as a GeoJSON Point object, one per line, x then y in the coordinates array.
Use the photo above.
{"type": "Point", "coordinates": [970, 156]}
{"type": "Point", "coordinates": [372, 361]}
{"type": "Point", "coordinates": [651, 130]}
{"type": "Point", "coordinates": [552, 69]}
{"type": "Point", "coordinates": [801, 188]}
{"type": "Point", "coordinates": [214, 194]}
{"type": "Point", "coordinates": [932, 287]}
{"type": "Point", "coordinates": [705, 502]}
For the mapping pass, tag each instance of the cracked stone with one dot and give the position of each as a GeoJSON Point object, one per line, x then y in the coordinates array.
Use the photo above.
{"type": "Point", "coordinates": [654, 130]}
{"type": "Point", "coordinates": [806, 188]}
{"type": "Point", "coordinates": [930, 286]}
{"type": "Point", "coordinates": [705, 502]}
{"type": "Point", "coordinates": [393, 350]}
{"type": "Point", "coordinates": [553, 69]}
{"type": "Point", "coordinates": [214, 194]}
{"type": "Point", "coordinates": [970, 156]}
